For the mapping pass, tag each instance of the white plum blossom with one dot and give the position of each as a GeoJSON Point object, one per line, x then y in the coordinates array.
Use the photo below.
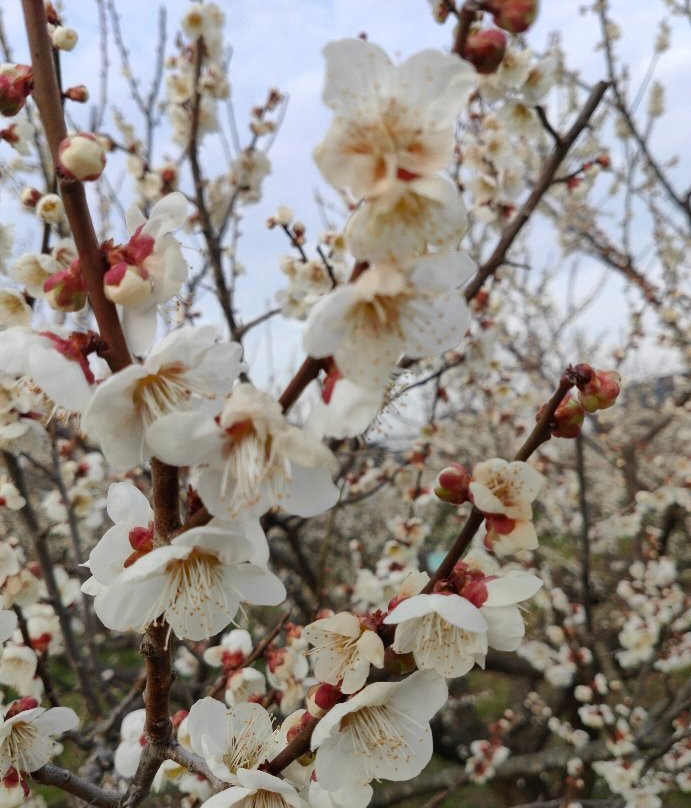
{"type": "Point", "coordinates": [343, 650]}
{"type": "Point", "coordinates": [51, 361]}
{"type": "Point", "coordinates": [400, 224]}
{"type": "Point", "coordinates": [392, 123]}
{"type": "Point", "coordinates": [27, 734]}
{"type": "Point", "coordinates": [14, 310]}
{"type": "Point", "coordinates": [446, 633]}
{"type": "Point", "coordinates": [253, 458]}
{"type": "Point", "coordinates": [132, 532]}
{"type": "Point", "coordinates": [381, 732]}
{"type": "Point", "coordinates": [504, 491]}
{"type": "Point", "coordinates": [196, 583]}
{"type": "Point", "coordinates": [183, 370]}
{"type": "Point", "coordinates": [256, 789]}
{"type": "Point", "coordinates": [369, 324]}
{"type": "Point", "coordinates": [343, 409]}
{"type": "Point", "coordinates": [235, 647]}
{"type": "Point", "coordinates": [245, 684]}
{"type": "Point", "coordinates": [149, 270]}
{"type": "Point", "coordinates": [354, 795]}
{"type": "Point", "coordinates": [18, 670]}
{"type": "Point", "coordinates": [132, 740]}
{"type": "Point", "coordinates": [450, 633]}
{"type": "Point", "coordinates": [10, 496]}
{"type": "Point", "coordinates": [230, 738]}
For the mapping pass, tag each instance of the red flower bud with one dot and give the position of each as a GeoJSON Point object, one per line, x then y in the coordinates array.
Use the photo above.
{"type": "Point", "coordinates": [452, 484]}
{"type": "Point", "coordinates": [19, 706]}
{"type": "Point", "coordinates": [321, 698]}
{"type": "Point", "coordinates": [485, 49]}
{"type": "Point", "coordinates": [601, 391]}
{"type": "Point", "coordinates": [568, 418]}
{"type": "Point", "coordinates": [16, 82]}
{"type": "Point", "coordinates": [515, 16]}
{"type": "Point", "coordinates": [78, 93]}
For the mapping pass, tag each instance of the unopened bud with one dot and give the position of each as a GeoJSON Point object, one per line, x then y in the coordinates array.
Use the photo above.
{"type": "Point", "coordinates": [321, 698]}
{"type": "Point", "coordinates": [515, 16]}
{"type": "Point", "coordinates": [64, 38]}
{"type": "Point", "coordinates": [66, 290]}
{"type": "Point", "coordinates": [485, 49]}
{"type": "Point", "coordinates": [453, 484]}
{"type": "Point", "coordinates": [81, 157]}
{"type": "Point", "coordinates": [50, 209]}
{"type": "Point", "coordinates": [30, 197]}
{"type": "Point", "coordinates": [568, 418]}
{"type": "Point", "coordinates": [16, 82]}
{"type": "Point", "coordinates": [284, 215]}
{"type": "Point", "coordinates": [601, 391]}
{"type": "Point", "coordinates": [78, 93]}
{"type": "Point", "coordinates": [19, 706]}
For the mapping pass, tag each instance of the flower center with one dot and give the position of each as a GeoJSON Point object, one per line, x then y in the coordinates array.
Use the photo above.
{"type": "Point", "coordinates": [266, 799]}
{"type": "Point", "coordinates": [374, 727]}
{"type": "Point", "coordinates": [163, 392]}
{"type": "Point", "coordinates": [246, 750]}
{"type": "Point", "coordinates": [377, 317]}
{"type": "Point", "coordinates": [251, 462]}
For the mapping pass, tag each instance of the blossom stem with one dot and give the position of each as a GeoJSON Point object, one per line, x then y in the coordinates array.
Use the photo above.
{"type": "Point", "coordinates": [542, 184]}
{"type": "Point", "coordinates": [47, 96]}
{"type": "Point", "coordinates": [539, 435]}
{"type": "Point", "coordinates": [50, 775]}
{"type": "Point", "coordinates": [295, 749]}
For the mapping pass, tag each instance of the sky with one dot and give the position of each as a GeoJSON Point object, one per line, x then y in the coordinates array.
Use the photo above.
{"type": "Point", "coordinates": [279, 44]}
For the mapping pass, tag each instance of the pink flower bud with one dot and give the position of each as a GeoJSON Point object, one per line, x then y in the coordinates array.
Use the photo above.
{"type": "Point", "coordinates": [452, 484]}
{"type": "Point", "coordinates": [515, 16]}
{"type": "Point", "coordinates": [16, 82]}
{"type": "Point", "coordinates": [66, 290]}
{"type": "Point", "coordinates": [78, 93]}
{"type": "Point", "coordinates": [30, 197]}
{"type": "Point", "coordinates": [485, 49]}
{"type": "Point", "coordinates": [568, 418]}
{"type": "Point", "coordinates": [81, 157]}
{"type": "Point", "coordinates": [321, 698]}
{"type": "Point", "coordinates": [601, 391]}
{"type": "Point", "coordinates": [19, 706]}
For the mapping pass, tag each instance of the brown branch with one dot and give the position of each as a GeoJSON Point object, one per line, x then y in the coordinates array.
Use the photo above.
{"type": "Point", "coordinates": [683, 204]}
{"type": "Point", "coordinates": [155, 648]}
{"type": "Point", "coordinates": [539, 435]}
{"type": "Point", "coordinates": [295, 749]}
{"type": "Point", "coordinates": [307, 372]}
{"type": "Point", "coordinates": [47, 96]}
{"type": "Point", "coordinates": [193, 763]}
{"type": "Point", "coordinates": [542, 184]}
{"type": "Point", "coordinates": [166, 500]}
{"type": "Point", "coordinates": [50, 775]}
{"type": "Point", "coordinates": [223, 293]}
{"type": "Point", "coordinates": [38, 538]}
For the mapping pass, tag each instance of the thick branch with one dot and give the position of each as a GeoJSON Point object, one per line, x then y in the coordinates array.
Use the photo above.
{"type": "Point", "coordinates": [50, 775]}
{"type": "Point", "coordinates": [46, 94]}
